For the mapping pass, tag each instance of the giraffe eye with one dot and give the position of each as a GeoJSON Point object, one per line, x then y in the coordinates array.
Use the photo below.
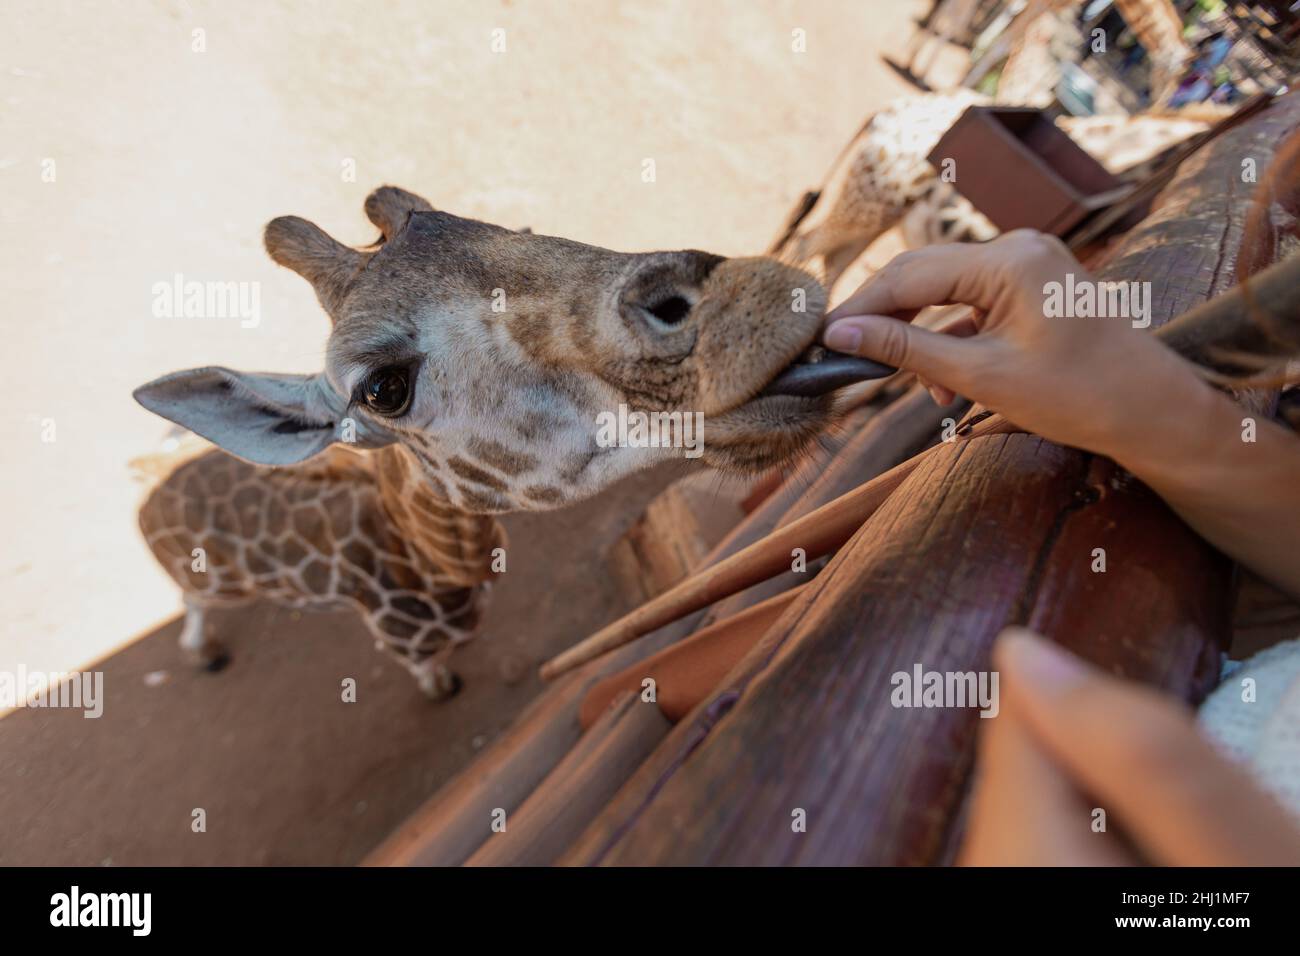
{"type": "Point", "coordinates": [388, 391]}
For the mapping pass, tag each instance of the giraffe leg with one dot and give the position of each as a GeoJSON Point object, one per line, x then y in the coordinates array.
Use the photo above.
{"type": "Point", "coordinates": [840, 258]}
{"type": "Point", "coordinates": [208, 654]}
{"type": "Point", "coordinates": [838, 241]}
{"type": "Point", "coordinates": [435, 679]}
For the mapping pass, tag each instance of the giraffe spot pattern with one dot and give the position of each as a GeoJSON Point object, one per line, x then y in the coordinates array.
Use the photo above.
{"type": "Point", "coordinates": [336, 530]}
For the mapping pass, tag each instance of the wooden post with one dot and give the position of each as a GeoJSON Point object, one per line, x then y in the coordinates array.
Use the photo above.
{"type": "Point", "coordinates": [685, 673]}
{"type": "Point", "coordinates": [997, 530]}
{"type": "Point", "coordinates": [578, 787]}
{"type": "Point", "coordinates": [983, 534]}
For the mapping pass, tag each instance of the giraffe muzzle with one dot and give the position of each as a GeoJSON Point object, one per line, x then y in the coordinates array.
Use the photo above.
{"type": "Point", "coordinates": [820, 371]}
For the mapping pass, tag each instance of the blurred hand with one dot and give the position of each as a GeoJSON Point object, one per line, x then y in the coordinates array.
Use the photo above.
{"type": "Point", "coordinates": [1076, 381]}
{"type": "Point", "coordinates": [1069, 740]}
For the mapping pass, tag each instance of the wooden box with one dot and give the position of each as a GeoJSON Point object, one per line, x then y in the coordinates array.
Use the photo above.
{"type": "Point", "coordinates": [1021, 171]}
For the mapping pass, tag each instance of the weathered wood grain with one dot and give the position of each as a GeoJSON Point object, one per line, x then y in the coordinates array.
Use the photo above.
{"type": "Point", "coordinates": [547, 822]}
{"type": "Point", "coordinates": [953, 556]}
{"type": "Point", "coordinates": [687, 672]}
{"type": "Point", "coordinates": [678, 529]}
{"type": "Point", "coordinates": [456, 820]}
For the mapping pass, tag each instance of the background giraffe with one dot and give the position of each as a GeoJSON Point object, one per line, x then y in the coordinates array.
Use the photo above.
{"type": "Point", "coordinates": [452, 409]}
{"type": "Point", "coordinates": [888, 180]}
{"type": "Point", "coordinates": [337, 530]}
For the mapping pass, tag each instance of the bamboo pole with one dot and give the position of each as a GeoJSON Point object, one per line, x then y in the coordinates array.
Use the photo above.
{"type": "Point", "coordinates": [686, 672]}
{"type": "Point", "coordinates": [579, 786]}
{"type": "Point", "coordinates": [816, 534]}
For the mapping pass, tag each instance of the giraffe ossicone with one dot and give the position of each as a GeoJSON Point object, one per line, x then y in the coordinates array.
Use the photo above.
{"type": "Point", "coordinates": [374, 484]}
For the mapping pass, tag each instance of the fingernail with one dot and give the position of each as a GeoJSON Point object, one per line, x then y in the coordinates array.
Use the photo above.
{"type": "Point", "coordinates": [843, 337]}
{"type": "Point", "coordinates": [1040, 662]}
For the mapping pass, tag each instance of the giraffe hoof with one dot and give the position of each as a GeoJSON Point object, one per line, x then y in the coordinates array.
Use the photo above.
{"type": "Point", "coordinates": [210, 657]}
{"type": "Point", "coordinates": [440, 684]}
{"type": "Point", "coordinates": [217, 662]}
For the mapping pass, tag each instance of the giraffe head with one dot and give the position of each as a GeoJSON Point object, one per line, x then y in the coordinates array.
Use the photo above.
{"type": "Point", "coordinates": [492, 355]}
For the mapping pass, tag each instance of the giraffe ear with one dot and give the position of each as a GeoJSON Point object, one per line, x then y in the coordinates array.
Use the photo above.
{"type": "Point", "coordinates": [389, 206]}
{"type": "Point", "coordinates": [322, 260]}
{"type": "Point", "coordinates": [264, 419]}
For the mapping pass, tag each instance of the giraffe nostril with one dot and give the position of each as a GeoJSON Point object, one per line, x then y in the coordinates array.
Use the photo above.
{"type": "Point", "coordinates": [661, 293]}
{"type": "Point", "coordinates": [670, 311]}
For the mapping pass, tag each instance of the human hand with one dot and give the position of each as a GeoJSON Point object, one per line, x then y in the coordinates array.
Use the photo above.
{"type": "Point", "coordinates": [1069, 741]}
{"type": "Point", "coordinates": [1086, 382]}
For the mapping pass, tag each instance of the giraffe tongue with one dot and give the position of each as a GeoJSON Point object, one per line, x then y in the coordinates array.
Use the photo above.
{"type": "Point", "coordinates": [820, 371]}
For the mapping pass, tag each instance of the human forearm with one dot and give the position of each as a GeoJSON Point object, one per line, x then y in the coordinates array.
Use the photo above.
{"type": "Point", "coordinates": [1095, 384]}
{"type": "Point", "coordinates": [1233, 476]}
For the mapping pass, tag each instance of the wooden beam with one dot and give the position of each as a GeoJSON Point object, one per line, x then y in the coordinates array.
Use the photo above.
{"type": "Point", "coordinates": [902, 430]}
{"type": "Point", "coordinates": [672, 538]}
{"type": "Point", "coordinates": [996, 530]}
{"type": "Point", "coordinates": [817, 534]}
{"type": "Point", "coordinates": [981, 535]}
{"type": "Point", "coordinates": [580, 785]}
{"type": "Point", "coordinates": [686, 672]}
{"type": "Point", "coordinates": [455, 821]}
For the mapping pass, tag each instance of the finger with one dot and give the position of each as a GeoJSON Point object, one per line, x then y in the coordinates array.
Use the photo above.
{"type": "Point", "coordinates": [935, 275]}
{"type": "Point", "coordinates": [938, 358]}
{"type": "Point", "coordinates": [1025, 811]}
{"type": "Point", "coordinates": [943, 397]}
{"type": "Point", "coordinates": [1179, 800]}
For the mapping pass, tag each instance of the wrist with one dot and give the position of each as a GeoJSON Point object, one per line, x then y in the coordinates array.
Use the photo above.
{"type": "Point", "coordinates": [1186, 433]}
{"type": "Point", "coordinates": [1162, 418]}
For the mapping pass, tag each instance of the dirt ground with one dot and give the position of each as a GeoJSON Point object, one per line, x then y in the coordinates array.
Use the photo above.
{"type": "Point", "coordinates": [285, 771]}
{"type": "Point", "coordinates": [129, 155]}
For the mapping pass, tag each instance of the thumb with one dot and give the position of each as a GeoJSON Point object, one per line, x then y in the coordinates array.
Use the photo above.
{"type": "Point", "coordinates": [932, 355]}
{"type": "Point", "coordinates": [1180, 801]}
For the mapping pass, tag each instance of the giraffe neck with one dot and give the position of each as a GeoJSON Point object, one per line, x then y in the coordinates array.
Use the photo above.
{"type": "Point", "coordinates": [455, 542]}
